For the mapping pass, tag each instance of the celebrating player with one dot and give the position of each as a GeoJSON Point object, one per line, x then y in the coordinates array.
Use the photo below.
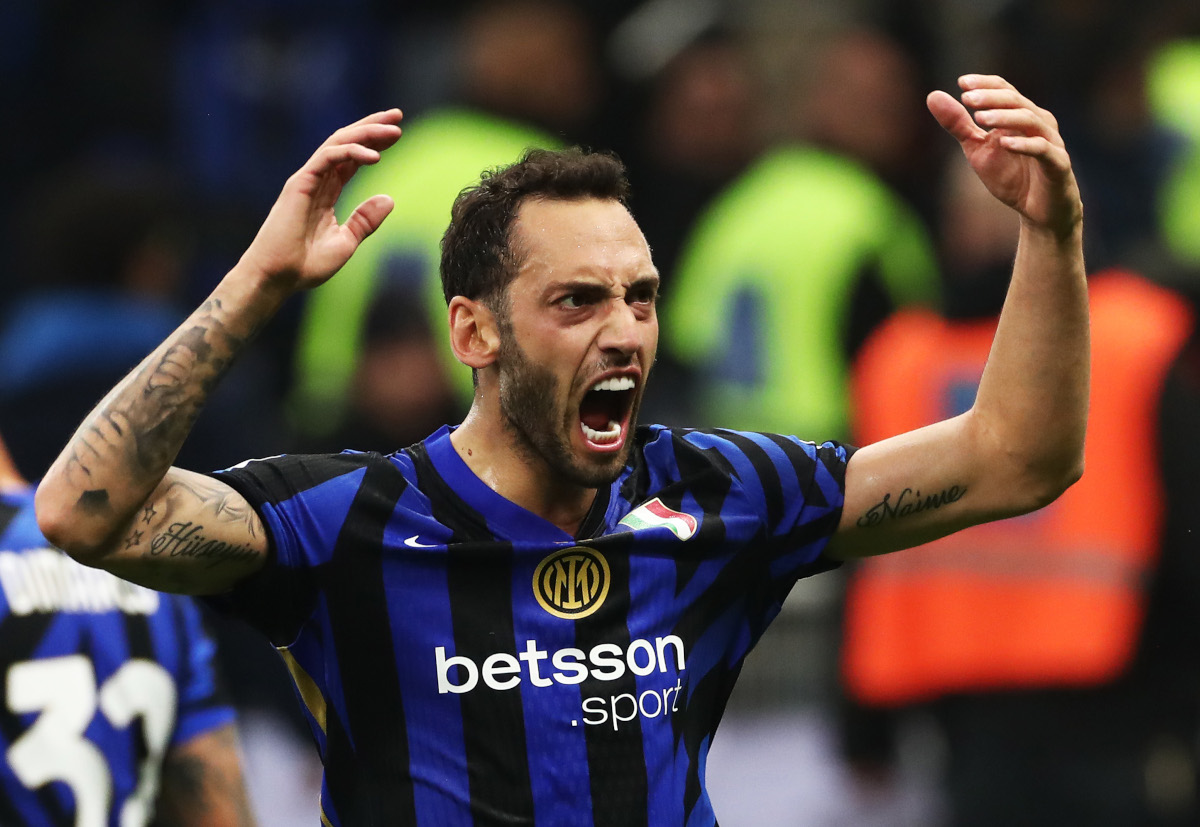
{"type": "Point", "coordinates": [537, 616]}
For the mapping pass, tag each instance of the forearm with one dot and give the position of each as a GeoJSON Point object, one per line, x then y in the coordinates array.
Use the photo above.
{"type": "Point", "coordinates": [202, 784]}
{"type": "Point", "coordinates": [126, 445]}
{"type": "Point", "coordinates": [1033, 397]}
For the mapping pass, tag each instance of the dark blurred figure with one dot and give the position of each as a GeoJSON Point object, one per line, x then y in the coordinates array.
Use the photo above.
{"type": "Point", "coordinates": [112, 707]}
{"type": "Point", "coordinates": [1057, 654]}
{"type": "Point", "coordinates": [1088, 61]}
{"type": "Point", "coordinates": [700, 127]}
{"type": "Point", "coordinates": [527, 76]}
{"type": "Point", "coordinates": [383, 414]}
{"type": "Point", "coordinates": [104, 253]}
{"type": "Point", "coordinates": [809, 245]}
{"type": "Point", "coordinates": [866, 71]}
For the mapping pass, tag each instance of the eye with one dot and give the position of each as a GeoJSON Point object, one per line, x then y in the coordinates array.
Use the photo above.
{"type": "Point", "coordinates": [642, 294]}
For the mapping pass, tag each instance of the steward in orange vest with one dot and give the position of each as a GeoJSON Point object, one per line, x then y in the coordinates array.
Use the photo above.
{"type": "Point", "coordinates": [1010, 618]}
{"type": "Point", "coordinates": [1054, 598]}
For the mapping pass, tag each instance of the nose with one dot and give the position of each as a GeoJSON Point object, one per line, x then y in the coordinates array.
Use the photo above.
{"type": "Point", "coordinates": [622, 331]}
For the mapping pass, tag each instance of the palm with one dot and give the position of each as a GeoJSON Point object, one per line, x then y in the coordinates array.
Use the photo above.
{"type": "Point", "coordinates": [301, 244]}
{"type": "Point", "coordinates": [1016, 151]}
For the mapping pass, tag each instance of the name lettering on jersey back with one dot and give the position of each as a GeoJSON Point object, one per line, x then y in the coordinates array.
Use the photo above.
{"type": "Point", "coordinates": [46, 580]}
{"type": "Point", "coordinates": [501, 671]}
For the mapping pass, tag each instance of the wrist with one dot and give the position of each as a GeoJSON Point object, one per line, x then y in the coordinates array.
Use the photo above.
{"type": "Point", "coordinates": [248, 294]}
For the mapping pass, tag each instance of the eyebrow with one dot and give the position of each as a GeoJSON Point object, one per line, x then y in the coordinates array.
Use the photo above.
{"type": "Point", "coordinates": [583, 284]}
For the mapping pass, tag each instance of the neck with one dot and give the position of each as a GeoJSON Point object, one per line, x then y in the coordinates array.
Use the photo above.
{"type": "Point", "coordinates": [491, 452]}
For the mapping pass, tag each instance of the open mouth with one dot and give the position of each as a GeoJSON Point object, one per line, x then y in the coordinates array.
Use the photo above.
{"type": "Point", "coordinates": [604, 412]}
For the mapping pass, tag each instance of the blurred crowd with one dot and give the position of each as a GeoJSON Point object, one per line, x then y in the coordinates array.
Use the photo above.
{"type": "Point", "coordinates": [796, 196]}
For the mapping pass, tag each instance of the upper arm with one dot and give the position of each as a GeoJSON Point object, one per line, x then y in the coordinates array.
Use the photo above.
{"type": "Point", "coordinates": [194, 535]}
{"type": "Point", "coordinates": [930, 482]}
{"type": "Point", "coordinates": [202, 783]}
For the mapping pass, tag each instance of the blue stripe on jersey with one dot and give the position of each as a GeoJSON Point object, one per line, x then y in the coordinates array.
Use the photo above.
{"type": "Point", "coordinates": [320, 517]}
{"type": "Point", "coordinates": [441, 788]}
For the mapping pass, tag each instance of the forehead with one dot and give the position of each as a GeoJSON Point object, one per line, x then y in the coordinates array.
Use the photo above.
{"type": "Point", "coordinates": [565, 238]}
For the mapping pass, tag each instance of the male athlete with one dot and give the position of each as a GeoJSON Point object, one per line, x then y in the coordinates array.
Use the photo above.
{"type": "Point", "coordinates": [536, 617]}
{"type": "Point", "coordinates": [110, 713]}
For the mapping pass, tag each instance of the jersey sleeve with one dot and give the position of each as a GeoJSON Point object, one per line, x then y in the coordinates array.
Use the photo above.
{"type": "Point", "coordinates": [204, 703]}
{"type": "Point", "coordinates": [788, 491]}
{"type": "Point", "coordinates": [304, 501]}
{"type": "Point", "coordinates": [783, 493]}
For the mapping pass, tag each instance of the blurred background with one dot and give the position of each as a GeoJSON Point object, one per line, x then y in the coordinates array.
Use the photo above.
{"type": "Point", "coordinates": [796, 195]}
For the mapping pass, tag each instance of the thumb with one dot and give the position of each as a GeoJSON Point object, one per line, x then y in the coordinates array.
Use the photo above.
{"type": "Point", "coordinates": [953, 116]}
{"type": "Point", "coordinates": [368, 216]}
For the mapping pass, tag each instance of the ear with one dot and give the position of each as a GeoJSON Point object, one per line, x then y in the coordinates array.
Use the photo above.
{"type": "Point", "coordinates": [474, 334]}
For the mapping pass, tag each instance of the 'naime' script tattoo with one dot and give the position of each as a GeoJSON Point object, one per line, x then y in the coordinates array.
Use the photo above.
{"type": "Point", "coordinates": [186, 539]}
{"type": "Point", "coordinates": [909, 502]}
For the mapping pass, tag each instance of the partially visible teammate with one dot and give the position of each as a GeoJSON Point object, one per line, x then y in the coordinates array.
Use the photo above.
{"type": "Point", "coordinates": [537, 617]}
{"type": "Point", "coordinates": [110, 711]}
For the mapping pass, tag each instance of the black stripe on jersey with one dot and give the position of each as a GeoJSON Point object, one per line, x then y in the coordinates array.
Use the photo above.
{"type": "Point", "coordinates": [813, 495]}
{"type": "Point", "coordinates": [22, 637]}
{"type": "Point", "coordinates": [7, 512]}
{"type": "Point", "coordinates": [448, 508]}
{"type": "Point", "coordinates": [768, 474]}
{"type": "Point", "coordinates": [616, 758]}
{"type": "Point", "coordinates": [706, 475]}
{"type": "Point", "coordinates": [479, 579]}
{"type": "Point", "coordinates": [369, 779]}
{"type": "Point", "coordinates": [141, 645]}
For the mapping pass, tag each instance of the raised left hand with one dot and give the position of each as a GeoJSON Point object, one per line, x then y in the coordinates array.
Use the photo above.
{"type": "Point", "coordinates": [1016, 150]}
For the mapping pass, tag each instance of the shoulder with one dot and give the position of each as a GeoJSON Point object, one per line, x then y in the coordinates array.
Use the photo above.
{"type": "Point", "coordinates": [732, 452]}
{"type": "Point", "coordinates": [287, 476]}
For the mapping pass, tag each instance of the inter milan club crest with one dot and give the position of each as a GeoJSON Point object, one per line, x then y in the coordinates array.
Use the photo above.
{"type": "Point", "coordinates": [654, 514]}
{"type": "Point", "coordinates": [572, 583]}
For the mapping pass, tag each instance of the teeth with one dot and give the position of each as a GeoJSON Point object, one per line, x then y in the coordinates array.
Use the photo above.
{"type": "Point", "coordinates": [616, 383]}
{"type": "Point", "coordinates": [603, 437]}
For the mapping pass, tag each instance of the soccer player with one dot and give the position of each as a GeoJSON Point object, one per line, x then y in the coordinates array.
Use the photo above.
{"type": "Point", "coordinates": [111, 713]}
{"type": "Point", "coordinates": [537, 616]}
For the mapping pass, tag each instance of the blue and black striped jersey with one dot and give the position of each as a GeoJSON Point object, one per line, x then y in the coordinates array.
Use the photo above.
{"type": "Point", "coordinates": [464, 662]}
{"type": "Point", "coordinates": [100, 678]}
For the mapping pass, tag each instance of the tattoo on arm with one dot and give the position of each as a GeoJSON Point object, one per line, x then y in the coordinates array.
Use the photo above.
{"type": "Point", "coordinates": [191, 538]}
{"type": "Point", "coordinates": [909, 502]}
{"type": "Point", "coordinates": [204, 786]}
{"type": "Point", "coordinates": [143, 425]}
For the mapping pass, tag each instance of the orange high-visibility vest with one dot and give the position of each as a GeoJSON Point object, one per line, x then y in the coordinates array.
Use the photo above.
{"type": "Point", "coordinates": [1053, 598]}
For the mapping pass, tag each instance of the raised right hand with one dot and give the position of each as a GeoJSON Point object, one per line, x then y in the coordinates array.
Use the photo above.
{"type": "Point", "coordinates": [300, 244]}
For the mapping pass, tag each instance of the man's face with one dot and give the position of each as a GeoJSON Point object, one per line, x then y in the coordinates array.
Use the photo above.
{"type": "Point", "coordinates": [579, 336]}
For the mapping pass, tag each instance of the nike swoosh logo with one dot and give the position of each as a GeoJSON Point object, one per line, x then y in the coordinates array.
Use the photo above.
{"type": "Point", "coordinates": [413, 542]}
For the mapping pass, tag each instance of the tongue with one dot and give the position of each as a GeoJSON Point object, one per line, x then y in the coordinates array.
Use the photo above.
{"type": "Point", "coordinates": [596, 420]}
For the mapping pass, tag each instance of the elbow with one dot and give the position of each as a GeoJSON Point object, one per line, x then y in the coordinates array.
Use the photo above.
{"type": "Point", "coordinates": [65, 529]}
{"type": "Point", "coordinates": [1045, 483]}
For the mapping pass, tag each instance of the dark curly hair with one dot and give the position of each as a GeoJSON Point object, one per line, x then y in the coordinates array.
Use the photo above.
{"type": "Point", "coordinates": [478, 259]}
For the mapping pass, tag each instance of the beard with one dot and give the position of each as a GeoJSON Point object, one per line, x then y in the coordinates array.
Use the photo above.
{"type": "Point", "coordinates": [528, 394]}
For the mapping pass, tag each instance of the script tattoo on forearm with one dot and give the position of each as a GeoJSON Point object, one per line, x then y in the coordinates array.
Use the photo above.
{"type": "Point", "coordinates": [192, 539]}
{"type": "Point", "coordinates": [146, 421]}
{"type": "Point", "coordinates": [187, 539]}
{"type": "Point", "coordinates": [909, 502]}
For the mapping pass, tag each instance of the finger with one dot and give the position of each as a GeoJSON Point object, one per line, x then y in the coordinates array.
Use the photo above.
{"type": "Point", "coordinates": [1018, 121]}
{"type": "Point", "coordinates": [387, 117]}
{"type": "Point", "coordinates": [328, 157]}
{"type": "Point", "coordinates": [953, 117]}
{"type": "Point", "coordinates": [1050, 155]}
{"type": "Point", "coordinates": [367, 217]}
{"type": "Point", "coordinates": [978, 81]}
